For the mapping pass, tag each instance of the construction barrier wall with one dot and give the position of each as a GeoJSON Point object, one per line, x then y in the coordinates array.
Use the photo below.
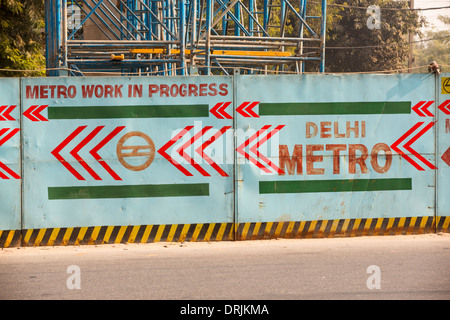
{"type": "Point", "coordinates": [94, 160]}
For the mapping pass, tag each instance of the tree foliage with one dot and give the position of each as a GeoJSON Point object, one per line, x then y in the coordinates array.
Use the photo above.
{"type": "Point", "coordinates": [433, 50]}
{"type": "Point", "coordinates": [22, 43]}
{"type": "Point", "coordinates": [354, 47]}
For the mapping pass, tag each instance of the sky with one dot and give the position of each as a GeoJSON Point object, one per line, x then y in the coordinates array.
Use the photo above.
{"type": "Point", "coordinates": [432, 15]}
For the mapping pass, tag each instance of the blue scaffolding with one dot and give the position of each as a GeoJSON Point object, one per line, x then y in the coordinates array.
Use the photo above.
{"type": "Point", "coordinates": [184, 37]}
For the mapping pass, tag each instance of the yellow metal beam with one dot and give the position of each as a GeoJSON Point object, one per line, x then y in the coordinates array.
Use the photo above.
{"type": "Point", "coordinates": [217, 52]}
{"type": "Point", "coordinates": [252, 53]}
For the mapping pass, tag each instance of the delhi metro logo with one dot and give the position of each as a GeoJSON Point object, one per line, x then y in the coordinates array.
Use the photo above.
{"type": "Point", "coordinates": [145, 151]}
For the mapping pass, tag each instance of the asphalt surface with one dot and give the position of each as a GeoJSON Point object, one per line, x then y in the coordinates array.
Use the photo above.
{"type": "Point", "coordinates": [395, 267]}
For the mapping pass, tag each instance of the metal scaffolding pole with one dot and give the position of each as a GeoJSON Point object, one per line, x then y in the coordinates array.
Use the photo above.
{"type": "Point", "coordinates": [177, 37]}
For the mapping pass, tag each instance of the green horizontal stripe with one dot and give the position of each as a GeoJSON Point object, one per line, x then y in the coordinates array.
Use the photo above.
{"type": "Point", "coordinates": [333, 108]}
{"type": "Point", "coordinates": [122, 112]}
{"type": "Point", "coordinates": [129, 191]}
{"type": "Point", "coordinates": [335, 185]}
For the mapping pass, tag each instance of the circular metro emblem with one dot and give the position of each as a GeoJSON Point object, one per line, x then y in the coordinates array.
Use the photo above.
{"type": "Point", "coordinates": [139, 151]}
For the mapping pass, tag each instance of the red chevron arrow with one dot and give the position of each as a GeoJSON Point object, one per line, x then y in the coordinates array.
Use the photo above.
{"type": "Point", "coordinates": [61, 146]}
{"type": "Point", "coordinates": [219, 110]}
{"type": "Point", "coordinates": [77, 149]}
{"type": "Point", "coordinates": [245, 109]}
{"type": "Point", "coordinates": [240, 149]}
{"type": "Point", "coordinates": [2, 141]}
{"type": "Point", "coordinates": [408, 147]}
{"type": "Point", "coordinates": [208, 142]}
{"type": "Point", "coordinates": [162, 151]}
{"type": "Point", "coordinates": [187, 157]}
{"type": "Point", "coordinates": [34, 113]}
{"type": "Point", "coordinates": [93, 152]}
{"type": "Point", "coordinates": [445, 107]}
{"type": "Point", "coordinates": [423, 106]}
{"type": "Point", "coordinates": [254, 148]}
{"type": "Point", "coordinates": [200, 150]}
{"type": "Point", "coordinates": [5, 113]}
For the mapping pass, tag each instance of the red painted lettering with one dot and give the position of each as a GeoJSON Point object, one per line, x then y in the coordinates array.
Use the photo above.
{"type": "Point", "coordinates": [164, 90]}
{"type": "Point", "coordinates": [87, 91]}
{"type": "Point", "coordinates": [310, 125]}
{"type": "Point", "coordinates": [98, 91]}
{"type": "Point", "coordinates": [118, 91]}
{"type": "Point", "coordinates": [174, 90]}
{"type": "Point", "coordinates": [52, 90]}
{"type": "Point", "coordinates": [152, 88]}
{"type": "Point", "coordinates": [134, 91]}
{"type": "Point", "coordinates": [183, 90]}
{"type": "Point", "coordinates": [62, 92]}
{"type": "Point", "coordinates": [109, 91]}
{"type": "Point", "coordinates": [288, 162]}
{"type": "Point", "coordinates": [223, 89]}
{"type": "Point", "coordinates": [311, 158]}
{"type": "Point", "coordinates": [325, 128]}
{"type": "Point", "coordinates": [353, 160]}
{"type": "Point", "coordinates": [212, 88]}
{"type": "Point", "coordinates": [336, 148]}
{"type": "Point", "coordinates": [193, 90]}
{"type": "Point", "coordinates": [354, 129]}
{"type": "Point", "coordinates": [374, 157]}
{"type": "Point", "coordinates": [203, 89]}
{"type": "Point", "coordinates": [72, 91]}
{"type": "Point", "coordinates": [32, 92]}
{"type": "Point", "coordinates": [43, 94]}
{"type": "Point", "coordinates": [336, 131]}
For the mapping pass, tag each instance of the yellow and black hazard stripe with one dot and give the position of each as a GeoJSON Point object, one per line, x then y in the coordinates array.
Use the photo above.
{"type": "Point", "coordinates": [10, 238]}
{"type": "Point", "coordinates": [117, 234]}
{"type": "Point", "coordinates": [342, 228]}
{"type": "Point", "coordinates": [223, 231]}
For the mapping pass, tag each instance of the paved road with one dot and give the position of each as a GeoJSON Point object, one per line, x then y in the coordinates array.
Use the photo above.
{"type": "Point", "coordinates": [406, 267]}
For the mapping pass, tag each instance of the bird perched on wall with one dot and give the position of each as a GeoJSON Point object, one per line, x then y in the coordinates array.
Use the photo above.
{"type": "Point", "coordinates": [434, 67]}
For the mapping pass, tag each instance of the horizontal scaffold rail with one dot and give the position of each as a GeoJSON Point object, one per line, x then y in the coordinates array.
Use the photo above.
{"type": "Point", "coordinates": [179, 37]}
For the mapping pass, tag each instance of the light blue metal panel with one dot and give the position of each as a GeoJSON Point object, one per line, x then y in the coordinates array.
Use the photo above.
{"type": "Point", "coordinates": [109, 153]}
{"type": "Point", "coordinates": [10, 196]}
{"type": "Point", "coordinates": [443, 154]}
{"type": "Point", "coordinates": [362, 149]}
